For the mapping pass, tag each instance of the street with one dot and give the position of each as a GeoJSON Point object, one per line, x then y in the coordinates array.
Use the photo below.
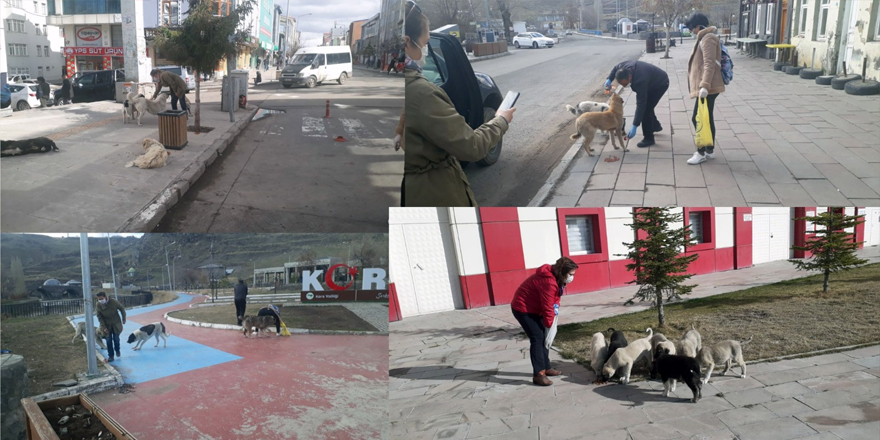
{"type": "Point", "coordinates": [287, 171]}
{"type": "Point", "coordinates": [547, 79]}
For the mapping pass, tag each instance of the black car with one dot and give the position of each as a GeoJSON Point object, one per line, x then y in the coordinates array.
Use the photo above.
{"type": "Point", "coordinates": [475, 95]}
{"type": "Point", "coordinates": [97, 85]}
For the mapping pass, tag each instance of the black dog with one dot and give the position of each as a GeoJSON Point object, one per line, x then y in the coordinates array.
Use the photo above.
{"type": "Point", "coordinates": [673, 367]}
{"type": "Point", "coordinates": [618, 340]}
{"type": "Point", "coordinates": [27, 146]}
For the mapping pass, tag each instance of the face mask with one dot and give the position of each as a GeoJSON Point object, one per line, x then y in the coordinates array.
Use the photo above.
{"type": "Point", "coordinates": [102, 301]}
{"type": "Point", "coordinates": [569, 279]}
{"type": "Point", "coordinates": [424, 49]}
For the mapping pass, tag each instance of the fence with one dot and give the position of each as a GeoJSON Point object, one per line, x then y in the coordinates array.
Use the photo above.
{"type": "Point", "coordinates": [65, 306]}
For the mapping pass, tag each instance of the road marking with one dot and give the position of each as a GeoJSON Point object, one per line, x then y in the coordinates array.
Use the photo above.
{"type": "Point", "coordinates": [353, 127]}
{"type": "Point", "coordinates": [313, 127]}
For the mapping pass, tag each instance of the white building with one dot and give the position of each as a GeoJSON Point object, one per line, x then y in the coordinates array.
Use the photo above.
{"type": "Point", "coordinates": [33, 45]}
{"type": "Point", "coordinates": [288, 35]}
{"type": "Point", "coordinates": [453, 258]}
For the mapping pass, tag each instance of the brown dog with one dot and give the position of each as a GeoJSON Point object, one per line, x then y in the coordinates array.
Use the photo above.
{"type": "Point", "coordinates": [610, 121]}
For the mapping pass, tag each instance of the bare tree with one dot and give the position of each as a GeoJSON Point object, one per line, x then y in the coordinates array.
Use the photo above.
{"type": "Point", "coordinates": [366, 252]}
{"type": "Point", "coordinates": [669, 11]}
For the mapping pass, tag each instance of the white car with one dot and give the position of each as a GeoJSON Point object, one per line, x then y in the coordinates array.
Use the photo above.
{"type": "Point", "coordinates": [532, 39]}
{"type": "Point", "coordinates": [24, 96]}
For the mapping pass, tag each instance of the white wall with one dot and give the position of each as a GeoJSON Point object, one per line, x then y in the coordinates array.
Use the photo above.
{"type": "Point", "coordinates": [51, 65]}
{"type": "Point", "coordinates": [467, 238]}
{"type": "Point", "coordinates": [617, 232]}
{"type": "Point", "coordinates": [724, 227]}
{"type": "Point", "coordinates": [539, 232]}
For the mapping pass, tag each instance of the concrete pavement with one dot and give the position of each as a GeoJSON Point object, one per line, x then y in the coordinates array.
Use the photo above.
{"type": "Point", "coordinates": [781, 140]}
{"type": "Point", "coordinates": [466, 374]}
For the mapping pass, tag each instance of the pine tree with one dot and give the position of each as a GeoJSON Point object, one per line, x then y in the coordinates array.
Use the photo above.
{"type": "Point", "coordinates": [17, 274]}
{"type": "Point", "coordinates": [658, 265]}
{"type": "Point", "coordinates": [832, 248]}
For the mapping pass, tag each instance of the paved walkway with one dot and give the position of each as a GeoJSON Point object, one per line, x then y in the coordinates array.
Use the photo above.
{"type": "Point", "coordinates": [216, 384]}
{"type": "Point", "coordinates": [782, 140]}
{"type": "Point", "coordinates": [465, 374]}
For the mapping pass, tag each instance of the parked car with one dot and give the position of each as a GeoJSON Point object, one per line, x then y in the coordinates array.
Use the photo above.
{"type": "Point", "coordinates": [5, 96]}
{"type": "Point", "coordinates": [314, 65]}
{"type": "Point", "coordinates": [184, 72]}
{"type": "Point", "coordinates": [532, 39]}
{"type": "Point", "coordinates": [553, 36]}
{"type": "Point", "coordinates": [475, 95]}
{"type": "Point", "coordinates": [568, 32]}
{"type": "Point", "coordinates": [18, 79]}
{"type": "Point", "coordinates": [97, 85]}
{"type": "Point", "coordinates": [24, 96]}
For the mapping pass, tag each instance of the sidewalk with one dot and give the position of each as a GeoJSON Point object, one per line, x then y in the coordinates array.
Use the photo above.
{"type": "Point", "coordinates": [781, 140]}
{"type": "Point", "coordinates": [85, 186]}
{"type": "Point", "coordinates": [465, 374]}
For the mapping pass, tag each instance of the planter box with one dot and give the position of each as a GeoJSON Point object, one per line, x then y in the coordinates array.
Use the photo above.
{"type": "Point", "coordinates": [38, 427]}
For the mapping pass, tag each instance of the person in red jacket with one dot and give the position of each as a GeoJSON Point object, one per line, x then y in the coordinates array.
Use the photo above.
{"type": "Point", "coordinates": [535, 304]}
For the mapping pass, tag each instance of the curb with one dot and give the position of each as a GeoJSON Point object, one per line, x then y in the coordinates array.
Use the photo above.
{"type": "Point", "coordinates": [149, 217]}
{"type": "Point", "coordinates": [303, 331]}
{"type": "Point", "coordinates": [490, 57]}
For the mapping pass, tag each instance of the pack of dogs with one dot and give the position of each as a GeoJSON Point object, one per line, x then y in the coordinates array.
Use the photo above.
{"type": "Point", "coordinates": [256, 324]}
{"type": "Point", "coordinates": [139, 337]}
{"type": "Point", "coordinates": [596, 116]}
{"type": "Point", "coordinates": [136, 105]}
{"type": "Point", "coordinates": [686, 360]}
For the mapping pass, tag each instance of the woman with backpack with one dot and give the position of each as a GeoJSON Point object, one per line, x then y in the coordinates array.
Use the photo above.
{"type": "Point", "coordinates": [704, 76]}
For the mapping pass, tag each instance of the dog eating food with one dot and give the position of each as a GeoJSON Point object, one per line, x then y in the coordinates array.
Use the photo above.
{"type": "Point", "coordinates": [610, 121]}
{"type": "Point", "coordinates": [27, 146]}
{"type": "Point", "coordinates": [618, 340]}
{"type": "Point", "coordinates": [143, 334]}
{"type": "Point", "coordinates": [81, 331]}
{"type": "Point", "coordinates": [155, 156]}
{"type": "Point", "coordinates": [598, 353]}
{"type": "Point", "coordinates": [722, 352]}
{"type": "Point", "coordinates": [627, 356]}
{"type": "Point", "coordinates": [260, 323]}
{"type": "Point", "coordinates": [672, 368]}
{"type": "Point", "coordinates": [690, 343]}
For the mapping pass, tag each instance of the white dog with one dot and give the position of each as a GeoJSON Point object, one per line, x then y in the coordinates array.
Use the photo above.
{"type": "Point", "coordinates": [143, 334]}
{"type": "Point", "coordinates": [141, 105]}
{"type": "Point", "coordinates": [722, 352]}
{"type": "Point", "coordinates": [587, 107]}
{"type": "Point", "coordinates": [128, 107]}
{"type": "Point", "coordinates": [598, 353]}
{"type": "Point", "coordinates": [155, 157]}
{"type": "Point", "coordinates": [627, 356]}
{"type": "Point", "coordinates": [691, 343]}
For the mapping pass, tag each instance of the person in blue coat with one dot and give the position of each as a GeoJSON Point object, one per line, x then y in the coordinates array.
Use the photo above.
{"type": "Point", "coordinates": [650, 83]}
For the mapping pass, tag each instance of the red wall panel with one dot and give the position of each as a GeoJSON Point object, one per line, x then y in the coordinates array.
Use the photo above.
{"type": "Point", "coordinates": [504, 284]}
{"type": "Point", "coordinates": [493, 215]}
{"type": "Point", "coordinates": [742, 238]}
{"type": "Point", "coordinates": [590, 277]}
{"type": "Point", "coordinates": [724, 259]}
{"type": "Point", "coordinates": [393, 307]}
{"type": "Point", "coordinates": [860, 231]}
{"type": "Point", "coordinates": [475, 291]}
{"type": "Point", "coordinates": [704, 264]}
{"type": "Point", "coordinates": [618, 273]}
{"type": "Point", "coordinates": [504, 250]}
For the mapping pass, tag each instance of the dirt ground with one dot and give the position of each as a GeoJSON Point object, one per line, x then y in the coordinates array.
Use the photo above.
{"type": "Point", "coordinates": [81, 423]}
{"type": "Point", "coordinates": [786, 318]}
{"type": "Point", "coordinates": [309, 317]}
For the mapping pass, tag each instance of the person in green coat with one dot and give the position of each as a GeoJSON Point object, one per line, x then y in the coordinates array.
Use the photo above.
{"type": "Point", "coordinates": [436, 136]}
{"type": "Point", "coordinates": [175, 84]}
{"type": "Point", "coordinates": [108, 311]}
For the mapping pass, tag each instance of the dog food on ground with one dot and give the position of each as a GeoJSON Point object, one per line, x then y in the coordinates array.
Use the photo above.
{"type": "Point", "coordinates": [81, 423]}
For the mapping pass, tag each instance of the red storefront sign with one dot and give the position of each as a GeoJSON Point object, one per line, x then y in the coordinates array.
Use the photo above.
{"type": "Point", "coordinates": [94, 51]}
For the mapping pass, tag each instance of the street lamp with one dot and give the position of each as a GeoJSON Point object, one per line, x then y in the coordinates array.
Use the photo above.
{"type": "Point", "coordinates": [168, 266]}
{"type": "Point", "coordinates": [173, 273]}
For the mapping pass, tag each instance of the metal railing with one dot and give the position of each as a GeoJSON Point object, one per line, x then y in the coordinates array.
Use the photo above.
{"type": "Point", "coordinates": [64, 306]}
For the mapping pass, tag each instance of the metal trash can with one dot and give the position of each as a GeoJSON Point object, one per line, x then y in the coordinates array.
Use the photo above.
{"type": "Point", "coordinates": [172, 129]}
{"type": "Point", "coordinates": [650, 44]}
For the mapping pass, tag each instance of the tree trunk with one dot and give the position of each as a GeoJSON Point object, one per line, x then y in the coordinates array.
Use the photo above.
{"type": "Point", "coordinates": [825, 283]}
{"type": "Point", "coordinates": [666, 55]}
{"type": "Point", "coordinates": [660, 315]}
{"type": "Point", "coordinates": [197, 112]}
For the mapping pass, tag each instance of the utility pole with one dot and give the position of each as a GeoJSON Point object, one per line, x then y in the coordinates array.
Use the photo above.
{"type": "Point", "coordinates": [486, 2]}
{"type": "Point", "coordinates": [168, 266]}
{"type": "Point", "coordinates": [115, 292]}
{"type": "Point", "coordinates": [87, 302]}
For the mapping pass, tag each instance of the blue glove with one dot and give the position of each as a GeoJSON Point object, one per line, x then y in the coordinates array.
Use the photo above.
{"type": "Point", "coordinates": [632, 132]}
{"type": "Point", "coordinates": [607, 84]}
{"type": "Point", "coordinates": [556, 309]}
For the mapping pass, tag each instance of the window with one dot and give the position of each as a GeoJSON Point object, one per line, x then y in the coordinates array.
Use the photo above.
{"type": "Point", "coordinates": [15, 26]}
{"type": "Point", "coordinates": [19, 71]}
{"type": "Point", "coordinates": [46, 51]}
{"type": "Point", "coordinates": [170, 12]}
{"type": "Point", "coordinates": [579, 230]}
{"type": "Point", "coordinates": [45, 30]}
{"type": "Point", "coordinates": [802, 27]}
{"type": "Point", "coordinates": [769, 25]}
{"type": "Point", "coordinates": [433, 71]}
{"type": "Point", "coordinates": [876, 24]}
{"type": "Point", "coordinates": [14, 3]}
{"type": "Point", "coordinates": [582, 234]}
{"type": "Point", "coordinates": [823, 18]}
{"type": "Point", "coordinates": [116, 35]}
{"type": "Point", "coordinates": [758, 19]}
{"type": "Point", "coordinates": [17, 50]}
{"type": "Point", "coordinates": [223, 7]}
{"type": "Point", "coordinates": [701, 223]}
{"type": "Point", "coordinates": [695, 224]}
{"type": "Point", "coordinates": [91, 7]}
{"type": "Point", "coordinates": [39, 50]}
{"type": "Point", "coordinates": [43, 8]}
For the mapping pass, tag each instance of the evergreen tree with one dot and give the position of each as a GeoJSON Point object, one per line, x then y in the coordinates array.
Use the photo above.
{"type": "Point", "coordinates": [658, 265]}
{"type": "Point", "coordinates": [832, 249]}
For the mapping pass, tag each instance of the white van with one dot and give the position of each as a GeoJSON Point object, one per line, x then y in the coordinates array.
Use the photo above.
{"type": "Point", "coordinates": [184, 72]}
{"type": "Point", "coordinates": [314, 65]}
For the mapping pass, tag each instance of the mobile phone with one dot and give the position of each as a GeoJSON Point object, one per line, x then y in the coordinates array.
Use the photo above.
{"type": "Point", "coordinates": [509, 100]}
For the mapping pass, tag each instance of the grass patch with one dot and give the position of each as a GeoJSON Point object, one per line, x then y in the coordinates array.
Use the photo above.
{"type": "Point", "coordinates": [44, 341]}
{"type": "Point", "coordinates": [309, 317]}
{"type": "Point", "coordinates": [163, 296]}
{"type": "Point", "coordinates": [786, 318]}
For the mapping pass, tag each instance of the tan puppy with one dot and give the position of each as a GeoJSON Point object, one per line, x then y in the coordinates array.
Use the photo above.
{"type": "Point", "coordinates": [626, 357]}
{"type": "Point", "coordinates": [81, 331]}
{"type": "Point", "coordinates": [722, 352]}
{"type": "Point", "coordinates": [691, 343]}
{"type": "Point", "coordinates": [610, 121]}
{"type": "Point", "coordinates": [598, 353]}
{"type": "Point", "coordinates": [155, 156]}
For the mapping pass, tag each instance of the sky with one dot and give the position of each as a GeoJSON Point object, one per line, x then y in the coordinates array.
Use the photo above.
{"type": "Point", "coordinates": [324, 13]}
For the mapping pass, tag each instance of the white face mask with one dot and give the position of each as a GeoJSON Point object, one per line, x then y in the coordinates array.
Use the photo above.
{"type": "Point", "coordinates": [424, 50]}
{"type": "Point", "coordinates": [569, 279]}
{"type": "Point", "coordinates": [102, 301]}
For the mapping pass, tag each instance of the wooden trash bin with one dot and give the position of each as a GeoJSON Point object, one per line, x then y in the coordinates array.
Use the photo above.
{"type": "Point", "coordinates": [172, 129]}
{"type": "Point", "coordinates": [39, 427]}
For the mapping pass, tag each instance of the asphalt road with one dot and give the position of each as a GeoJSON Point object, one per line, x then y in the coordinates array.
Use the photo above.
{"type": "Point", "coordinates": [287, 172]}
{"type": "Point", "coordinates": [547, 79]}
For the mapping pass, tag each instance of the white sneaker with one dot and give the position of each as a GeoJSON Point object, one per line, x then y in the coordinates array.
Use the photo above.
{"type": "Point", "coordinates": [710, 155]}
{"type": "Point", "coordinates": [697, 158]}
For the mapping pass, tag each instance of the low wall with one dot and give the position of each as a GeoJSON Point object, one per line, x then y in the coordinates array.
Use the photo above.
{"type": "Point", "coordinates": [16, 386]}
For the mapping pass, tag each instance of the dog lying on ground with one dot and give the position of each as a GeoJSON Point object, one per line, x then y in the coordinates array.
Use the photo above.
{"type": "Point", "coordinates": [155, 157]}
{"type": "Point", "coordinates": [261, 323]}
{"type": "Point", "coordinates": [723, 352]}
{"type": "Point", "coordinates": [598, 354]}
{"type": "Point", "coordinates": [618, 340]}
{"type": "Point", "coordinates": [673, 368]}
{"type": "Point", "coordinates": [143, 334]}
{"type": "Point", "coordinates": [81, 331]}
{"type": "Point", "coordinates": [627, 356]}
{"type": "Point", "coordinates": [691, 343]}
{"type": "Point", "coordinates": [610, 121]}
{"type": "Point", "coordinates": [27, 146]}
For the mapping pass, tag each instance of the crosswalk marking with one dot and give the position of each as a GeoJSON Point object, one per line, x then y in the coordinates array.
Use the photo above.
{"type": "Point", "coordinates": [313, 127]}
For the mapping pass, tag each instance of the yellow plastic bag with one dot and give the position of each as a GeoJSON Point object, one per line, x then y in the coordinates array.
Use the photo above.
{"type": "Point", "coordinates": [703, 137]}
{"type": "Point", "coordinates": [284, 331]}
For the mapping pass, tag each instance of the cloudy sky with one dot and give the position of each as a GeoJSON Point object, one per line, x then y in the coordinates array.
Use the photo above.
{"type": "Point", "coordinates": [324, 13]}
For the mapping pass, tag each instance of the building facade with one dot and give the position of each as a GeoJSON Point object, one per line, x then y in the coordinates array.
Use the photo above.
{"type": "Point", "coordinates": [454, 258]}
{"type": "Point", "coordinates": [390, 31]}
{"type": "Point", "coordinates": [33, 46]}
{"type": "Point", "coordinates": [370, 34]}
{"type": "Point", "coordinates": [354, 37]}
{"type": "Point", "coordinates": [287, 40]}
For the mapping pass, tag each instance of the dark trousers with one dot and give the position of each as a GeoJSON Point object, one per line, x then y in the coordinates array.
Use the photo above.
{"type": "Point", "coordinates": [402, 192]}
{"type": "Point", "coordinates": [240, 306]}
{"type": "Point", "coordinates": [112, 342]}
{"type": "Point", "coordinates": [710, 102]}
{"type": "Point", "coordinates": [534, 329]}
{"type": "Point", "coordinates": [650, 123]}
{"type": "Point", "coordinates": [267, 312]}
{"type": "Point", "coordinates": [175, 98]}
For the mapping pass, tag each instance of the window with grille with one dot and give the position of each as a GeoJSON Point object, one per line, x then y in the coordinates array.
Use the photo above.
{"type": "Point", "coordinates": [17, 50]}
{"type": "Point", "coordinates": [695, 224]}
{"type": "Point", "coordinates": [769, 27]}
{"type": "Point", "coordinates": [39, 51]}
{"type": "Point", "coordinates": [46, 50]}
{"type": "Point", "coordinates": [15, 26]}
{"type": "Point", "coordinates": [579, 230]}
{"type": "Point", "coordinates": [38, 30]}
{"type": "Point", "coordinates": [19, 71]}
{"type": "Point", "coordinates": [170, 12]}
{"type": "Point", "coordinates": [802, 27]}
{"type": "Point", "coordinates": [823, 18]}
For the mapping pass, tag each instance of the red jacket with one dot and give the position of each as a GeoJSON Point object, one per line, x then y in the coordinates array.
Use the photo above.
{"type": "Point", "coordinates": [538, 294]}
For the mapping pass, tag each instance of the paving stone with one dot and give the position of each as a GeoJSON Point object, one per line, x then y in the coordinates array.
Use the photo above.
{"type": "Point", "coordinates": [787, 407]}
{"type": "Point", "coordinates": [748, 397]}
{"type": "Point", "coordinates": [830, 418]}
{"type": "Point", "coordinates": [697, 425]}
{"type": "Point", "coordinates": [730, 384]}
{"type": "Point", "coordinates": [792, 194]}
{"type": "Point", "coordinates": [871, 362]}
{"type": "Point", "coordinates": [499, 426]}
{"type": "Point", "coordinates": [602, 181]}
{"type": "Point", "coordinates": [737, 155]}
{"type": "Point", "coordinates": [660, 195]}
{"type": "Point", "coordinates": [660, 172]}
{"type": "Point", "coordinates": [595, 197]}
{"type": "Point", "coordinates": [846, 380]}
{"type": "Point", "coordinates": [824, 192]}
{"type": "Point", "coordinates": [744, 416]}
{"type": "Point", "coordinates": [778, 377]}
{"type": "Point", "coordinates": [692, 196]}
{"type": "Point", "coordinates": [457, 432]}
{"type": "Point", "coordinates": [848, 184]}
{"type": "Point", "coordinates": [752, 184]}
{"type": "Point", "coordinates": [835, 368]}
{"type": "Point", "coordinates": [687, 175]}
{"type": "Point", "coordinates": [630, 182]}
{"type": "Point", "coordinates": [789, 389]}
{"type": "Point", "coordinates": [863, 431]}
{"type": "Point", "coordinates": [525, 434]}
{"type": "Point", "coordinates": [838, 397]}
{"type": "Point", "coordinates": [776, 429]}
{"type": "Point", "coordinates": [627, 198]}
